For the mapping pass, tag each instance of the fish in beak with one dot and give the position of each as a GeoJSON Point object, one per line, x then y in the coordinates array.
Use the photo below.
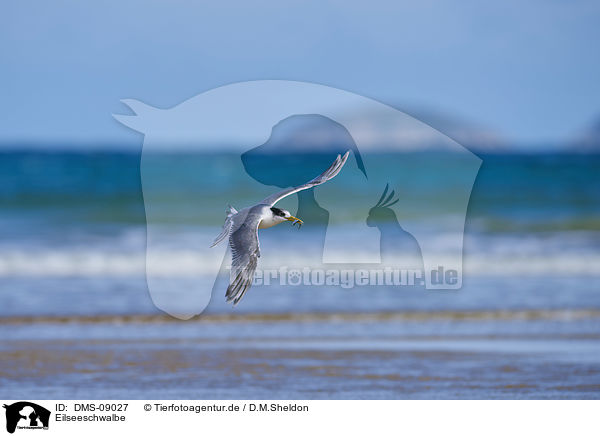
{"type": "Point", "coordinates": [295, 220]}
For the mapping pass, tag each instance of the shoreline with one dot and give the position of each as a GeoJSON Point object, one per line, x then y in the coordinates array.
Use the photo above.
{"type": "Point", "coordinates": [367, 316]}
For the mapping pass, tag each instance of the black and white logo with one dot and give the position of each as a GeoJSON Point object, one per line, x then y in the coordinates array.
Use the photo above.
{"type": "Point", "coordinates": [26, 415]}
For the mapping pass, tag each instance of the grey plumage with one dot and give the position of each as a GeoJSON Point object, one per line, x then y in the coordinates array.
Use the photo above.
{"type": "Point", "coordinates": [226, 226]}
{"type": "Point", "coordinates": [245, 251]}
{"type": "Point", "coordinates": [328, 174]}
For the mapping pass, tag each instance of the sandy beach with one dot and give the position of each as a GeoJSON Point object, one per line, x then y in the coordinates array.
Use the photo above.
{"type": "Point", "coordinates": [443, 355]}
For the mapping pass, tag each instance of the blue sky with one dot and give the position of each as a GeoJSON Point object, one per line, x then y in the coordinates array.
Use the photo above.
{"type": "Point", "coordinates": [526, 69]}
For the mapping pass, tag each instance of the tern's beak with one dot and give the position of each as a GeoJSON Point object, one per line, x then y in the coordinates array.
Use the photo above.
{"type": "Point", "coordinates": [295, 220]}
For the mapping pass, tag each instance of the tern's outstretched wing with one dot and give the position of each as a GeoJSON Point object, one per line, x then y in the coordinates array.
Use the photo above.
{"type": "Point", "coordinates": [329, 174]}
{"type": "Point", "coordinates": [245, 251]}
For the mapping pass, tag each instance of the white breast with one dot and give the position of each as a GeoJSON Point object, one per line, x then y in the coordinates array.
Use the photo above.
{"type": "Point", "coordinates": [268, 221]}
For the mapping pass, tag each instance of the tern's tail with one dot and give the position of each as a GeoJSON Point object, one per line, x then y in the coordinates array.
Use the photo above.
{"type": "Point", "coordinates": [227, 226]}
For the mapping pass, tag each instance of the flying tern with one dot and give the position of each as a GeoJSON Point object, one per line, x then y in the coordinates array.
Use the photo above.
{"type": "Point", "coordinates": [242, 229]}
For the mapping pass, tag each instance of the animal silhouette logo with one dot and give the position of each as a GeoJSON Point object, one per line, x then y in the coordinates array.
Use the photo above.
{"type": "Point", "coordinates": [26, 415]}
{"type": "Point", "coordinates": [397, 246]}
{"type": "Point", "coordinates": [247, 117]}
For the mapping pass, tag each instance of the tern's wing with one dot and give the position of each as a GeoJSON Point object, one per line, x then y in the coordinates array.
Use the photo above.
{"type": "Point", "coordinates": [231, 212]}
{"type": "Point", "coordinates": [329, 174]}
{"type": "Point", "coordinates": [245, 251]}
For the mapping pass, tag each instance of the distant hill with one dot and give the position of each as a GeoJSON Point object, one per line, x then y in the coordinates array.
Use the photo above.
{"type": "Point", "coordinates": [386, 133]}
{"type": "Point", "coordinates": [589, 140]}
{"type": "Point", "coordinates": [473, 136]}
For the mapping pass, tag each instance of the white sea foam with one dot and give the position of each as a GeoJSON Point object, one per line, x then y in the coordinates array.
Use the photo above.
{"type": "Point", "coordinates": [122, 253]}
{"type": "Point", "coordinates": [69, 263]}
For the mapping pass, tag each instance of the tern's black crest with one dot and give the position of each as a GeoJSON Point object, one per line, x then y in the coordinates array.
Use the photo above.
{"type": "Point", "coordinates": [278, 212]}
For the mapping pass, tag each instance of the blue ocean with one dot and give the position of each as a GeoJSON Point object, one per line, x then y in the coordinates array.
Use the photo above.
{"type": "Point", "coordinates": [77, 319]}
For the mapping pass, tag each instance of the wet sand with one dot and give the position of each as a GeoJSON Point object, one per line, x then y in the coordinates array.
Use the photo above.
{"type": "Point", "coordinates": [554, 354]}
